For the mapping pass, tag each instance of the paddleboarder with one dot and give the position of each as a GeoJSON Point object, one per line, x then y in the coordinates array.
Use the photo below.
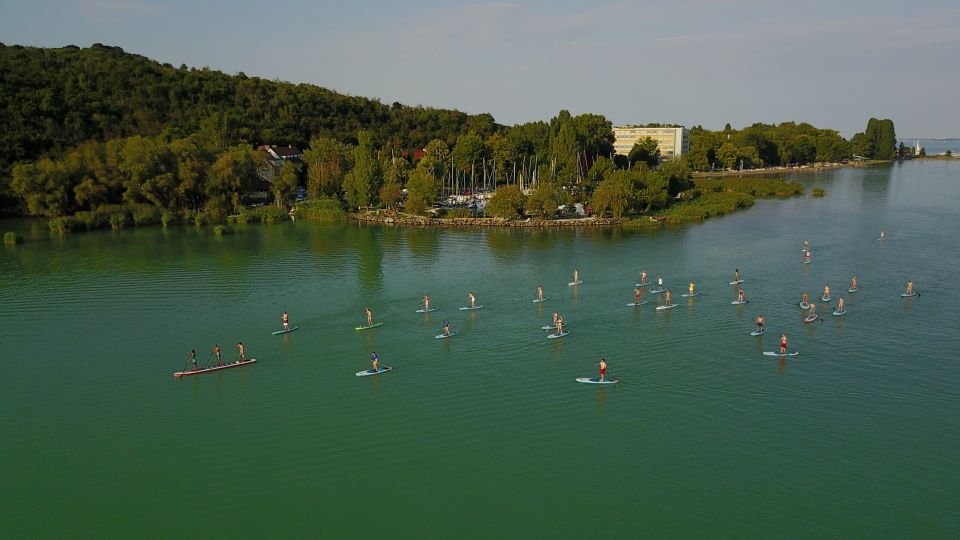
{"type": "Point", "coordinates": [760, 322]}
{"type": "Point", "coordinates": [853, 283]}
{"type": "Point", "coordinates": [636, 296]}
{"type": "Point", "coordinates": [660, 283]}
{"type": "Point", "coordinates": [840, 305]}
{"type": "Point", "coordinates": [285, 319]}
{"type": "Point", "coordinates": [576, 276]}
{"type": "Point", "coordinates": [240, 350]}
{"type": "Point", "coordinates": [193, 358]}
{"type": "Point", "coordinates": [826, 291]}
{"type": "Point", "coordinates": [736, 276]}
{"type": "Point", "coordinates": [643, 278]}
{"type": "Point", "coordinates": [909, 287]}
{"type": "Point", "coordinates": [691, 288]}
{"type": "Point", "coordinates": [426, 302]}
{"type": "Point", "coordinates": [375, 359]}
{"type": "Point", "coordinates": [216, 351]}
{"type": "Point", "coordinates": [806, 245]}
{"type": "Point", "coordinates": [741, 297]}
{"type": "Point", "coordinates": [556, 317]}
{"type": "Point", "coordinates": [540, 294]}
{"type": "Point", "coordinates": [603, 369]}
{"type": "Point", "coordinates": [882, 234]}
{"type": "Point", "coordinates": [446, 327]}
{"type": "Point", "coordinates": [805, 299]}
{"type": "Point", "coordinates": [783, 343]}
{"type": "Point", "coordinates": [812, 311]}
{"type": "Point", "coordinates": [369, 316]}
{"type": "Point", "coordinates": [559, 325]}
{"type": "Point", "coordinates": [667, 297]}
{"type": "Point", "coordinates": [806, 256]}
{"type": "Point", "coordinates": [473, 300]}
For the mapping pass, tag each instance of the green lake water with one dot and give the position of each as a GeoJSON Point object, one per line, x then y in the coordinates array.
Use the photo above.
{"type": "Point", "coordinates": [487, 434]}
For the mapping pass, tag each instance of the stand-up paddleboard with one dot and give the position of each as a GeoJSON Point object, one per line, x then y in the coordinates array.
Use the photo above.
{"type": "Point", "coordinates": [640, 285]}
{"type": "Point", "coordinates": [369, 372]}
{"type": "Point", "coordinates": [778, 353]}
{"type": "Point", "coordinates": [905, 295]}
{"type": "Point", "coordinates": [596, 380]}
{"type": "Point", "coordinates": [374, 325]}
{"type": "Point", "coordinates": [825, 298]}
{"type": "Point", "coordinates": [537, 300]}
{"type": "Point", "coordinates": [213, 368]}
{"type": "Point", "coordinates": [804, 305]}
{"type": "Point", "coordinates": [572, 283]}
{"type": "Point", "coordinates": [278, 332]}
{"type": "Point", "coordinates": [810, 318]}
{"type": "Point", "coordinates": [668, 306]}
{"type": "Point", "coordinates": [555, 335]}
{"type": "Point", "coordinates": [737, 282]}
{"type": "Point", "coordinates": [431, 310]}
{"type": "Point", "coordinates": [657, 291]}
{"type": "Point", "coordinates": [688, 295]}
{"type": "Point", "coordinates": [805, 261]}
{"type": "Point", "coordinates": [548, 327]}
{"type": "Point", "coordinates": [851, 291]}
{"type": "Point", "coordinates": [760, 333]}
{"type": "Point", "coordinates": [468, 308]}
{"type": "Point", "coordinates": [445, 336]}
{"type": "Point", "coordinates": [739, 302]}
{"type": "Point", "coordinates": [839, 313]}
{"type": "Point", "coordinates": [634, 304]}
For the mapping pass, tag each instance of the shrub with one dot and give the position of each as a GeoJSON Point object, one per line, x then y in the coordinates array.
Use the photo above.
{"type": "Point", "coordinates": [145, 214]}
{"type": "Point", "coordinates": [166, 217]}
{"type": "Point", "coordinates": [11, 239]}
{"type": "Point", "coordinates": [708, 205]}
{"type": "Point", "coordinates": [92, 220]}
{"type": "Point", "coordinates": [543, 201]}
{"type": "Point", "coordinates": [321, 210]}
{"type": "Point", "coordinates": [818, 192]}
{"type": "Point", "coordinates": [455, 213]}
{"type": "Point", "coordinates": [64, 224]}
{"type": "Point", "coordinates": [507, 202]}
{"type": "Point", "coordinates": [220, 230]}
{"type": "Point", "coordinates": [200, 219]}
{"type": "Point", "coordinates": [119, 220]}
{"type": "Point", "coordinates": [266, 214]}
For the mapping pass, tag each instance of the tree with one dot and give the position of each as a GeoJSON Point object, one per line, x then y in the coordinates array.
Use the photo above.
{"type": "Point", "coordinates": [883, 138]}
{"type": "Point", "coordinates": [468, 151]}
{"type": "Point", "coordinates": [861, 146]}
{"type": "Point", "coordinates": [565, 149]}
{"type": "Point", "coordinates": [507, 202]}
{"type": "Point", "coordinates": [645, 151]}
{"type": "Point", "coordinates": [543, 201]}
{"type": "Point", "coordinates": [677, 176]}
{"type": "Point", "coordinates": [362, 182]}
{"type": "Point", "coordinates": [234, 172]}
{"type": "Point", "coordinates": [285, 183]}
{"type": "Point", "coordinates": [326, 161]}
{"type": "Point", "coordinates": [421, 191]}
{"type": "Point", "coordinates": [614, 194]}
{"type": "Point", "coordinates": [498, 148]}
{"type": "Point", "coordinates": [395, 173]}
{"type": "Point", "coordinates": [436, 158]}
{"type": "Point", "coordinates": [727, 155]}
{"type": "Point", "coordinates": [595, 133]}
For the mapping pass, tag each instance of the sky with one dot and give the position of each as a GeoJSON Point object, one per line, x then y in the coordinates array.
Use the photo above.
{"type": "Point", "coordinates": [833, 63]}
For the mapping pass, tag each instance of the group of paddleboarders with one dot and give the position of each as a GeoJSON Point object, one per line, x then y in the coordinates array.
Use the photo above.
{"type": "Point", "coordinates": [218, 352]}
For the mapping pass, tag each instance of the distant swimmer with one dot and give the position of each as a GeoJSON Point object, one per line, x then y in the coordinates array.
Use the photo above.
{"type": "Point", "coordinates": [473, 300]}
{"type": "Point", "coordinates": [216, 351]}
{"type": "Point", "coordinates": [241, 351]}
{"type": "Point", "coordinates": [369, 316]}
{"type": "Point", "coordinates": [643, 278]}
{"type": "Point", "coordinates": [853, 283]}
{"type": "Point", "coordinates": [783, 343]}
{"type": "Point", "coordinates": [540, 294]}
{"type": "Point", "coordinates": [446, 327]}
{"type": "Point", "coordinates": [741, 296]}
{"type": "Point", "coordinates": [285, 319]}
{"type": "Point", "coordinates": [603, 368]}
{"type": "Point", "coordinates": [426, 302]}
{"type": "Point", "coordinates": [375, 360]}
{"type": "Point", "coordinates": [759, 323]}
{"type": "Point", "coordinates": [691, 288]}
{"type": "Point", "coordinates": [636, 295]}
{"type": "Point", "coordinates": [909, 287]}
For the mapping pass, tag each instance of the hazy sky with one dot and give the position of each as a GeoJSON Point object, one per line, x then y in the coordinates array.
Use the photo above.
{"type": "Point", "coordinates": [831, 63]}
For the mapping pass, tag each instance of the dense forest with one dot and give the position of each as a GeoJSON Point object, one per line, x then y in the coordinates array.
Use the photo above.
{"type": "Point", "coordinates": [113, 137]}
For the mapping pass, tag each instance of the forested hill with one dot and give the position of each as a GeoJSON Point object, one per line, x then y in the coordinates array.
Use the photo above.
{"type": "Point", "coordinates": [54, 99]}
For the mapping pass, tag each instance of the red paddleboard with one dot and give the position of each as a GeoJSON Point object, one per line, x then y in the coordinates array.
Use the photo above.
{"type": "Point", "coordinates": [213, 368]}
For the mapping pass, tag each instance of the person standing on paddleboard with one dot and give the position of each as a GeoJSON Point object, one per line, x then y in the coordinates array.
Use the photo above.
{"type": "Point", "coordinates": [240, 350]}
{"type": "Point", "coordinates": [783, 343]}
{"type": "Point", "coordinates": [691, 288]}
{"type": "Point", "coordinates": [910, 287]}
{"type": "Point", "coordinates": [473, 300]}
{"type": "Point", "coordinates": [853, 283]}
{"type": "Point", "coordinates": [636, 296]}
{"type": "Point", "coordinates": [556, 316]}
{"type": "Point", "coordinates": [667, 297]}
{"type": "Point", "coordinates": [285, 319]}
{"type": "Point", "coordinates": [826, 291]}
{"type": "Point", "coordinates": [741, 297]}
{"type": "Point", "coordinates": [840, 305]}
{"type": "Point", "coordinates": [759, 323]}
{"type": "Point", "coordinates": [540, 294]}
{"type": "Point", "coordinates": [193, 358]}
{"type": "Point", "coordinates": [643, 278]}
{"type": "Point", "coordinates": [446, 327]}
{"type": "Point", "coordinates": [375, 359]}
{"type": "Point", "coordinates": [426, 302]}
{"type": "Point", "coordinates": [812, 312]}
{"type": "Point", "coordinates": [576, 275]}
{"type": "Point", "coordinates": [660, 283]}
{"type": "Point", "coordinates": [736, 276]}
{"type": "Point", "coordinates": [216, 351]}
{"type": "Point", "coordinates": [805, 299]}
{"type": "Point", "coordinates": [603, 369]}
{"type": "Point", "coordinates": [369, 316]}
{"type": "Point", "coordinates": [882, 234]}
{"type": "Point", "coordinates": [559, 325]}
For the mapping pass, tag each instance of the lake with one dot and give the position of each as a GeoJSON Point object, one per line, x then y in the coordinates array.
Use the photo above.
{"type": "Point", "coordinates": [487, 434]}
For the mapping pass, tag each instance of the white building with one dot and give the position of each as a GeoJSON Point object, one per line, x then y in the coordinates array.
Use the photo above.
{"type": "Point", "coordinates": [672, 141]}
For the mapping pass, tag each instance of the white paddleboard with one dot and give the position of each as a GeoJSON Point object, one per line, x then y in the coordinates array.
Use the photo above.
{"type": "Point", "coordinates": [806, 262]}
{"type": "Point", "coordinates": [668, 306]}
{"type": "Point", "coordinates": [596, 380]}
{"type": "Point", "coordinates": [445, 336]}
{"type": "Point", "coordinates": [278, 332]}
{"type": "Point", "coordinates": [555, 335]}
{"type": "Point", "coordinates": [431, 310]}
{"type": "Point", "coordinates": [760, 333]}
{"type": "Point", "coordinates": [839, 313]}
{"type": "Point", "coordinates": [688, 295]}
{"type": "Point", "coordinates": [778, 353]}
{"type": "Point", "coordinates": [905, 295]}
{"type": "Point", "coordinates": [572, 283]}
{"type": "Point", "coordinates": [737, 282]}
{"type": "Point", "coordinates": [537, 300]}
{"type": "Point", "coordinates": [825, 298]}
{"type": "Point", "coordinates": [374, 325]}
{"type": "Point", "coordinates": [369, 372]}
{"type": "Point", "coordinates": [810, 318]}
{"type": "Point", "coordinates": [804, 305]}
{"type": "Point", "coordinates": [468, 308]}
{"type": "Point", "coordinates": [851, 291]}
{"type": "Point", "coordinates": [739, 302]}
{"type": "Point", "coordinates": [657, 291]}
{"type": "Point", "coordinates": [634, 304]}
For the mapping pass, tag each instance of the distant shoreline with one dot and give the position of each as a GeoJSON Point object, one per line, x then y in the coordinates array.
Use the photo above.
{"type": "Point", "coordinates": [816, 167]}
